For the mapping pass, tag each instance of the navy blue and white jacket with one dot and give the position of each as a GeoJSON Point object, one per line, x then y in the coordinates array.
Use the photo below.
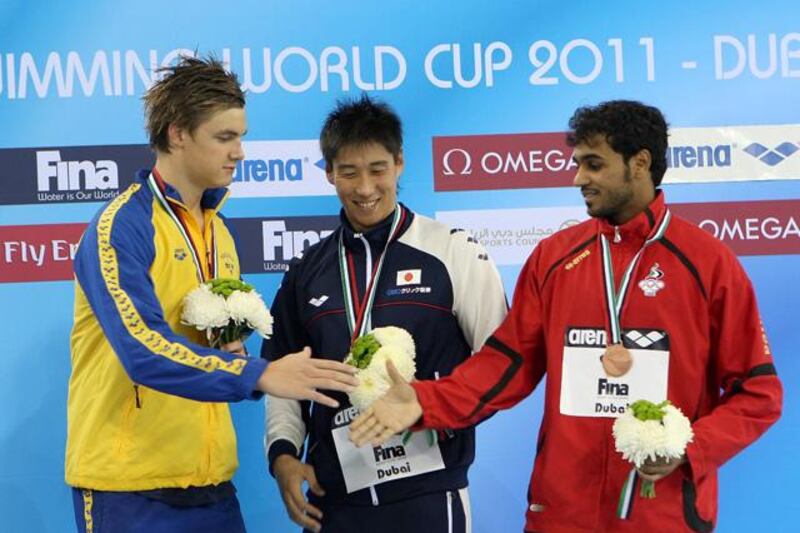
{"type": "Point", "coordinates": [456, 304]}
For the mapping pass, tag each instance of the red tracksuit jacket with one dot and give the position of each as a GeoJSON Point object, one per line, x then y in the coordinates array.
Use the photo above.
{"type": "Point", "coordinates": [720, 371]}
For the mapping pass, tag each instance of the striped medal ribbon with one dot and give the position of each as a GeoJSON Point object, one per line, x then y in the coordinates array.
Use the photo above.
{"type": "Point", "coordinates": [614, 303]}
{"type": "Point", "coordinates": [153, 182]}
{"type": "Point", "coordinates": [359, 310]}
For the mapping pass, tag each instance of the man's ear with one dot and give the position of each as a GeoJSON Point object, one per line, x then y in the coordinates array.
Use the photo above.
{"type": "Point", "coordinates": [399, 162]}
{"type": "Point", "coordinates": [641, 162]}
{"type": "Point", "coordinates": [176, 136]}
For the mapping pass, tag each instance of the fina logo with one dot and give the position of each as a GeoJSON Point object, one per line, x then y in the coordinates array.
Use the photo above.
{"type": "Point", "coordinates": [277, 236]}
{"type": "Point", "coordinates": [774, 156]}
{"type": "Point", "coordinates": [260, 170]}
{"type": "Point", "coordinates": [74, 175]}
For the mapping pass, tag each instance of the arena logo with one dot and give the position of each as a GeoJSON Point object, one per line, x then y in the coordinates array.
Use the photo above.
{"type": "Point", "coordinates": [774, 156]}
{"type": "Point", "coordinates": [749, 228]}
{"type": "Point", "coordinates": [505, 161]}
{"type": "Point", "coordinates": [733, 153]}
{"type": "Point", "coordinates": [281, 168]}
{"type": "Point", "coordinates": [268, 169]}
{"type": "Point", "coordinates": [721, 155]}
{"type": "Point", "coordinates": [69, 174]}
{"type": "Point", "coordinates": [699, 156]}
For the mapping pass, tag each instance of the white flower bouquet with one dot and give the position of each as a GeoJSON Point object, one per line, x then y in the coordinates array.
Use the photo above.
{"type": "Point", "coordinates": [650, 431]}
{"type": "Point", "coordinates": [369, 353]}
{"type": "Point", "coordinates": [227, 310]}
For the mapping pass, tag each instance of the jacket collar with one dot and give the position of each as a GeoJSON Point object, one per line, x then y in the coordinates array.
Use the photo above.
{"type": "Point", "coordinates": [212, 198]}
{"type": "Point", "coordinates": [377, 235]}
{"type": "Point", "coordinates": [639, 227]}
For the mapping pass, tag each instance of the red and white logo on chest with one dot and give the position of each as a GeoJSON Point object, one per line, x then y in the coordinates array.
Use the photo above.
{"type": "Point", "coordinates": [653, 282]}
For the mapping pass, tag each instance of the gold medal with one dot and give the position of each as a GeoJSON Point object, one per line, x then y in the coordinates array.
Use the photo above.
{"type": "Point", "coordinates": [617, 360]}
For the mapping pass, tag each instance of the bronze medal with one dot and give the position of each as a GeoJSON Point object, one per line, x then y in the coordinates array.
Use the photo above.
{"type": "Point", "coordinates": [617, 360]}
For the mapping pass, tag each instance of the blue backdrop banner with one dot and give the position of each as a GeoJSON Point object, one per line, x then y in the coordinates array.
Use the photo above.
{"type": "Point", "coordinates": [485, 90]}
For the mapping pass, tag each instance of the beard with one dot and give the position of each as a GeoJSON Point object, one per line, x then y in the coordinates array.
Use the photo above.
{"type": "Point", "coordinates": [611, 202]}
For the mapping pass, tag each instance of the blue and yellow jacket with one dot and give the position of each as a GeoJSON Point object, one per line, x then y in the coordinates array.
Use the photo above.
{"type": "Point", "coordinates": [146, 395]}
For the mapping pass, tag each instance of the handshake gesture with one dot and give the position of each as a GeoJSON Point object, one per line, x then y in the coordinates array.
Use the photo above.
{"type": "Point", "coordinates": [390, 414]}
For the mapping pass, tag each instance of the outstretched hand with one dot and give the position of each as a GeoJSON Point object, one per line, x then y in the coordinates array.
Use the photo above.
{"type": "Point", "coordinates": [299, 377]}
{"type": "Point", "coordinates": [390, 414]}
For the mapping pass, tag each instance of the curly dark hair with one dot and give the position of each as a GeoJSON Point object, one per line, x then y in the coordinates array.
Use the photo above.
{"type": "Point", "coordinates": [187, 95]}
{"type": "Point", "coordinates": [628, 127]}
{"type": "Point", "coordinates": [359, 122]}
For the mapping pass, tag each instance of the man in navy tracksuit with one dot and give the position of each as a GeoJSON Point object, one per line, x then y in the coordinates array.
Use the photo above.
{"type": "Point", "coordinates": [384, 266]}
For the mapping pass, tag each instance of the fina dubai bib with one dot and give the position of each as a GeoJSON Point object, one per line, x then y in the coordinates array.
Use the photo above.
{"type": "Point", "coordinates": [591, 386]}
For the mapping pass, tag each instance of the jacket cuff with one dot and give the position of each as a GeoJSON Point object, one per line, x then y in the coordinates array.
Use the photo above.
{"type": "Point", "coordinates": [252, 371]}
{"type": "Point", "coordinates": [696, 460]}
{"type": "Point", "coordinates": [278, 448]}
{"type": "Point", "coordinates": [421, 388]}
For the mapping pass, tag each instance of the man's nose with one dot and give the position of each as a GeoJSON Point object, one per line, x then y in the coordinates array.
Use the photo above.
{"type": "Point", "coordinates": [580, 179]}
{"type": "Point", "coordinates": [364, 185]}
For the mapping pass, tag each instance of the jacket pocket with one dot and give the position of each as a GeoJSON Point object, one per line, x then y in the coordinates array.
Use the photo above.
{"type": "Point", "coordinates": [129, 413]}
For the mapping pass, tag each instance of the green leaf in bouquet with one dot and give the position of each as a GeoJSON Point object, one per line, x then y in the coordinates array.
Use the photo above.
{"type": "Point", "coordinates": [362, 350]}
{"type": "Point", "coordinates": [648, 489]}
{"type": "Point", "coordinates": [647, 410]}
{"type": "Point", "coordinates": [226, 286]}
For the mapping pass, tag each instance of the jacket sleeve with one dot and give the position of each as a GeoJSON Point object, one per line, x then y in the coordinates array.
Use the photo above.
{"type": "Point", "coordinates": [742, 369]}
{"type": "Point", "coordinates": [502, 373]}
{"type": "Point", "coordinates": [286, 420]}
{"type": "Point", "coordinates": [112, 268]}
{"type": "Point", "coordinates": [479, 312]}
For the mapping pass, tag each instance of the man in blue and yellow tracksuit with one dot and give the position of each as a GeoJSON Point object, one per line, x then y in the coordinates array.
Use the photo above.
{"type": "Point", "coordinates": [150, 444]}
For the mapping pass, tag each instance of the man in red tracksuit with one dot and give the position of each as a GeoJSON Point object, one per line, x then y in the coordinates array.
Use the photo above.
{"type": "Point", "coordinates": [633, 303]}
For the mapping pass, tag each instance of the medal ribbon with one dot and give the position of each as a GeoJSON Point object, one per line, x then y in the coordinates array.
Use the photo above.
{"type": "Point", "coordinates": [153, 181]}
{"type": "Point", "coordinates": [359, 310]}
{"type": "Point", "coordinates": [616, 299]}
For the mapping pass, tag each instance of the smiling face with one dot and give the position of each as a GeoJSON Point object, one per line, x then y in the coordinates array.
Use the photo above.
{"type": "Point", "coordinates": [365, 177]}
{"type": "Point", "coordinates": [611, 187]}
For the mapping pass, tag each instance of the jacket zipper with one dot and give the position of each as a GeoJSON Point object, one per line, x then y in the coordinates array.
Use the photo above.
{"type": "Point", "coordinates": [449, 512]}
{"type": "Point", "coordinates": [368, 273]}
{"type": "Point", "coordinates": [368, 259]}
